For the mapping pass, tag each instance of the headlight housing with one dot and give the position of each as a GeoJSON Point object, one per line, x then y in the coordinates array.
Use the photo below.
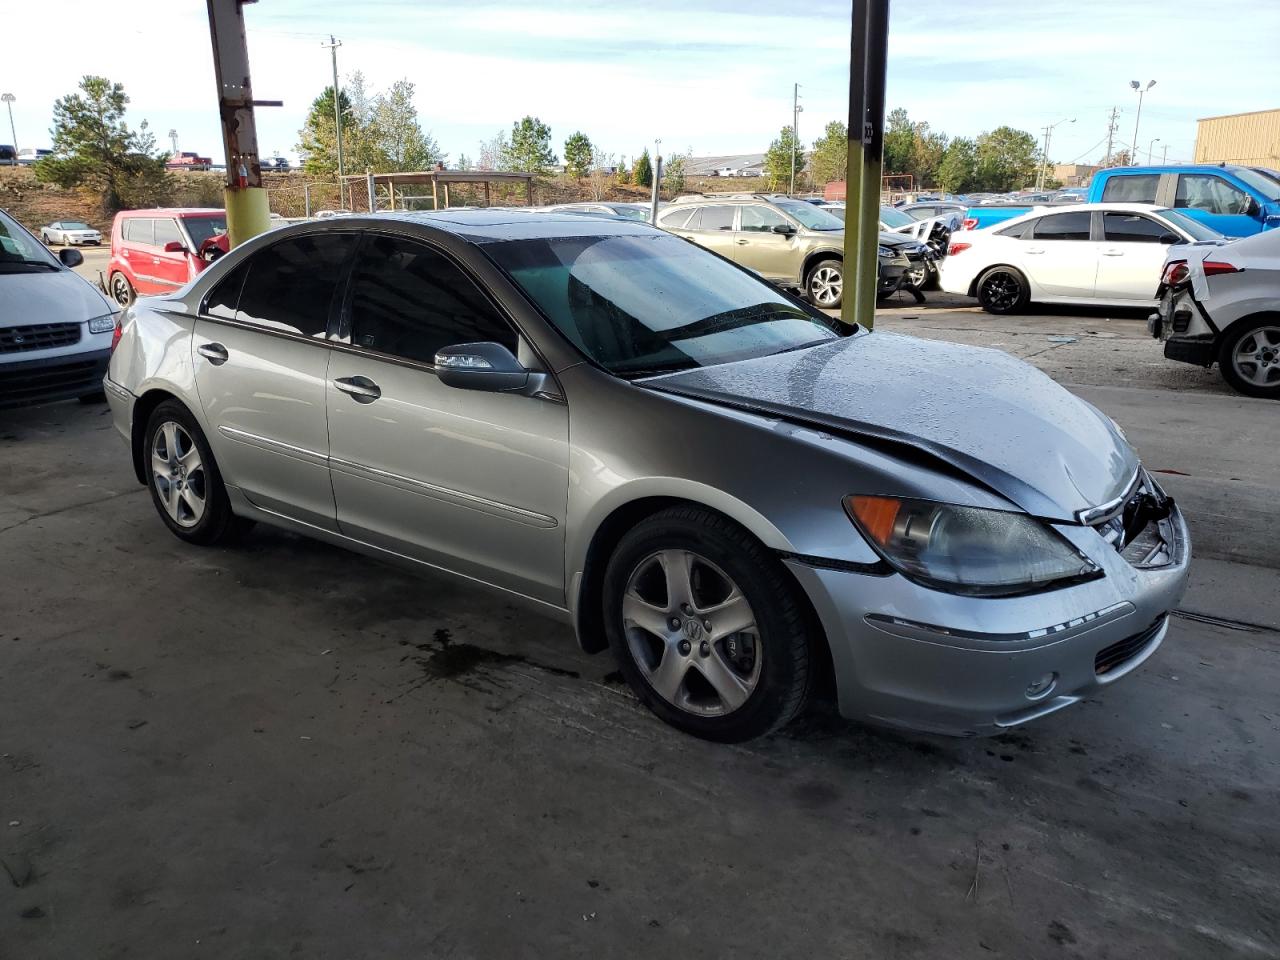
{"type": "Point", "coordinates": [884, 252]}
{"type": "Point", "coordinates": [968, 550]}
{"type": "Point", "coordinates": [103, 324]}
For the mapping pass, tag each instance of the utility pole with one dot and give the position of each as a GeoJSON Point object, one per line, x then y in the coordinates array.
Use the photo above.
{"type": "Point", "coordinates": [1142, 92]}
{"type": "Point", "coordinates": [333, 46]}
{"type": "Point", "coordinates": [247, 212]}
{"type": "Point", "coordinates": [657, 179]}
{"type": "Point", "coordinates": [795, 135]}
{"type": "Point", "coordinates": [1112, 126]}
{"type": "Point", "coordinates": [173, 140]}
{"type": "Point", "coordinates": [1044, 159]}
{"type": "Point", "coordinates": [868, 48]}
{"type": "Point", "coordinates": [8, 99]}
{"type": "Point", "coordinates": [1164, 161]}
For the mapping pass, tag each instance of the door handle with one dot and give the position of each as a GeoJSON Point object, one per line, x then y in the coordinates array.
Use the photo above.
{"type": "Point", "coordinates": [741, 243]}
{"type": "Point", "coordinates": [1113, 253]}
{"type": "Point", "coordinates": [1035, 249]}
{"type": "Point", "coordinates": [361, 389]}
{"type": "Point", "coordinates": [215, 353]}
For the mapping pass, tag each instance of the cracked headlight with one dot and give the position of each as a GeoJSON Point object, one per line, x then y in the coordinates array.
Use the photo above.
{"type": "Point", "coordinates": [967, 550]}
{"type": "Point", "coordinates": [103, 324]}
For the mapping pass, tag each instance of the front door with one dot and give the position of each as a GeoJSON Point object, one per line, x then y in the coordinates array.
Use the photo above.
{"type": "Point", "coordinates": [169, 267]}
{"type": "Point", "coordinates": [261, 362]}
{"type": "Point", "coordinates": [1059, 258]}
{"type": "Point", "coordinates": [1132, 256]}
{"type": "Point", "coordinates": [772, 255]}
{"type": "Point", "coordinates": [473, 482]}
{"type": "Point", "coordinates": [1216, 203]}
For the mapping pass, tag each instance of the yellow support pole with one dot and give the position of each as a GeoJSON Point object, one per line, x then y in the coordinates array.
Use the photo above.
{"type": "Point", "coordinates": [247, 213]}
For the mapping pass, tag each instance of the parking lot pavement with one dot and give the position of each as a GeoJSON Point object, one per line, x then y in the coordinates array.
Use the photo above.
{"type": "Point", "coordinates": [285, 748]}
{"type": "Point", "coordinates": [95, 262]}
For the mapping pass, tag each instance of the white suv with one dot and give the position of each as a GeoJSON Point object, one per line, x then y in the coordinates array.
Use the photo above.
{"type": "Point", "coordinates": [56, 329]}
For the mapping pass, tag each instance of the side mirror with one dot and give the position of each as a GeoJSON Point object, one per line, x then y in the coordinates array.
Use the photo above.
{"type": "Point", "coordinates": [174, 246]}
{"type": "Point", "coordinates": [1253, 209]}
{"type": "Point", "coordinates": [1170, 238]}
{"type": "Point", "coordinates": [482, 366]}
{"type": "Point", "coordinates": [70, 257]}
{"type": "Point", "coordinates": [785, 229]}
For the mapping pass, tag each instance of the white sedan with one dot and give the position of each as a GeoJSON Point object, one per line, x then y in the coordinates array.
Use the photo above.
{"type": "Point", "coordinates": [1103, 254]}
{"type": "Point", "coordinates": [69, 233]}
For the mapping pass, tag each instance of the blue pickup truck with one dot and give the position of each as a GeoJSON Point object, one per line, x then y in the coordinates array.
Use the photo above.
{"type": "Point", "coordinates": [1234, 200]}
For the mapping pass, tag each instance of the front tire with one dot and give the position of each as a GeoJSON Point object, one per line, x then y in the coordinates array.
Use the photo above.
{"type": "Point", "coordinates": [1250, 358]}
{"type": "Point", "coordinates": [183, 477]}
{"type": "Point", "coordinates": [706, 626]}
{"type": "Point", "coordinates": [824, 284]}
{"type": "Point", "coordinates": [1003, 290]}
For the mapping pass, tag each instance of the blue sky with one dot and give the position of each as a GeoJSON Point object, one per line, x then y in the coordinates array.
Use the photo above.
{"type": "Point", "coordinates": [713, 75]}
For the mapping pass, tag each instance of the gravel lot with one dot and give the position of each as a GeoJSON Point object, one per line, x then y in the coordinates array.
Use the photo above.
{"type": "Point", "coordinates": [284, 749]}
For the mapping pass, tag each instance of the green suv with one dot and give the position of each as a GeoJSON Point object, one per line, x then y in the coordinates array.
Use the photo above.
{"type": "Point", "coordinates": [790, 242]}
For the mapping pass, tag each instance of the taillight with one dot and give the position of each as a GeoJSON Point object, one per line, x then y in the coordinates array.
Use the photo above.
{"type": "Point", "coordinates": [958, 248]}
{"type": "Point", "coordinates": [1175, 273]}
{"type": "Point", "coordinates": [1215, 268]}
{"type": "Point", "coordinates": [115, 335]}
{"type": "Point", "coordinates": [970, 223]}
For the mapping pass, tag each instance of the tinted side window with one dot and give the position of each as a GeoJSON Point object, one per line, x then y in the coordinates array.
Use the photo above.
{"type": "Point", "coordinates": [674, 219]}
{"type": "Point", "coordinates": [225, 296]}
{"type": "Point", "coordinates": [1134, 188]}
{"type": "Point", "coordinates": [761, 219]}
{"type": "Point", "coordinates": [1063, 226]}
{"type": "Point", "coordinates": [409, 301]}
{"type": "Point", "coordinates": [291, 284]}
{"type": "Point", "coordinates": [1019, 231]}
{"type": "Point", "coordinates": [139, 230]}
{"type": "Point", "coordinates": [1212, 194]}
{"type": "Point", "coordinates": [1130, 228]}
{"type": "Point", "coordinates": [166, 231]}
{"type": "Point", "coordinates": [719, 217]}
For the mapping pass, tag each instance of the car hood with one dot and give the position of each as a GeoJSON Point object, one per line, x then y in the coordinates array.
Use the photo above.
{"type": "Point", "coordinates": [47, 297]}
{"type": "Point", "coordinates": [981, 411]}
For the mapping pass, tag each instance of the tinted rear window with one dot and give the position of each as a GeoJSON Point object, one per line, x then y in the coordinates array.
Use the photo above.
{"type": "Point", "coordinates": [1131, 188]}
{"type": "Point", "coordinates": [1063, 226]}
{"type": "Point", "coordinates": [139, 230]}
{"type": "Point", "coordinates": [290, 285]}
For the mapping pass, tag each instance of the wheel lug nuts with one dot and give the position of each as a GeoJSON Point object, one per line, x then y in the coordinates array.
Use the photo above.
{"type": "Point", "coordinates": [706, 625]}
{"type": "Point", "coordinates": [705, 649]}
{"type": "Point", "coordinates": [684, 647]}
{"type": "Point", "coordinates": [675, 623]}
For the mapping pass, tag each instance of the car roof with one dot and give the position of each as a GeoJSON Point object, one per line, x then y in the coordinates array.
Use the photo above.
{"type": "Point", "coordinates": [171, 212]}
{"type": "Point", "coordinates": [1172, 168]}
{"type": "Point", "coordinates": [490, 224]}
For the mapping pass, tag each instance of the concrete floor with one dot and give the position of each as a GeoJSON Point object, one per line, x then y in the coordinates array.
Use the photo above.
{"type": "Point", "coordinates": [285, 749]}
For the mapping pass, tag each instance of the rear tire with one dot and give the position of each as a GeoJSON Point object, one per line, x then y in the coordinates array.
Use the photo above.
{"type": "Point", "coordinates": [1250, 358]}
{"type": "Point", "coordinates": [750, 671]}
{"type": "Point", "coordinates": [121, 290]}
{"type": "Point", "coordinates": [1003, 290]}
{"type": "Point", "coordinates": [183, 478]}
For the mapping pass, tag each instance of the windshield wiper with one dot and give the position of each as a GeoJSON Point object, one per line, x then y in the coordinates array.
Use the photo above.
{"type": "Point", "coordinates": [29, 263]}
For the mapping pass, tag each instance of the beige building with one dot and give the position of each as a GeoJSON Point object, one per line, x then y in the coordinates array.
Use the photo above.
{"type": "Point", "coordinates": [1248, 138]}
{"type": "Point", "coordinates": [1074, 174]}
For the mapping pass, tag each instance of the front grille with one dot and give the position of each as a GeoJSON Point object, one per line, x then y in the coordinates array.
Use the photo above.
{"type": "Point", "coordinates": [38, 336]}
{"type": "Point", "coordinates": [53, 380]}
{"type": "Point", "coordinates": [1119, 653]}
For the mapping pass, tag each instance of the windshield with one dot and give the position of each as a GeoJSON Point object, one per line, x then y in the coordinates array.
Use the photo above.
{"type": "Point", "coordinates": [813, 217]}
{"type": "Point", "coordinates": [1260, 183]}
{"type": "Point", "coordinates": [21, 251]}
{"type": "Point", "coordinates": [75, 225]}
{"type": "Point", "coordinates": [893, 219]}
{"type": "Point", "coordinates": [204, 228]}
{"type": "Point", "coordinates": [1197, 229]}
{"type": "Point", "coordinates": [652, 303]}
{"type": "Point", "coordinates": [631, 213]}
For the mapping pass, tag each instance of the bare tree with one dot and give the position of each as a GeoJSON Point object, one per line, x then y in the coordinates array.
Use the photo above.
{"type": "Point", "coordinates": [601, 165]}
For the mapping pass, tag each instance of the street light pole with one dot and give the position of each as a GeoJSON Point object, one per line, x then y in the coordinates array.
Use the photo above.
{"type": "Point", "coordinates": [8, 99]}
{"type": "Point", "coordinates": [1142, 92]}
{"type": "Point", "coordinates": [1164, 160]}
{"type": "Point", "coordinates": [795, 135]}
{"type": "Point", "coordinates": [1151, 149]}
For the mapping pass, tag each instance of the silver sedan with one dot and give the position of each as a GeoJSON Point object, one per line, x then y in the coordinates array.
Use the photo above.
{"type": "Point", "coordinates": [730, 490]}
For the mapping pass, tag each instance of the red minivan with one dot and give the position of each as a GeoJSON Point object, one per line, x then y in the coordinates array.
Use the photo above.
{"type": "Point", "coordinates": [159, 250]}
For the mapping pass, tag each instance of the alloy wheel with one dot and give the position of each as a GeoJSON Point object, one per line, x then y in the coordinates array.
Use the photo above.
{"type": "Point", "coordinates": [1257, 357]}
{"type": "Point", "coordinates": [120, 291]}
{"type": "Point", "coordinates": [826, 285]}
{"type": "Point", "coordinates": [692, 633]}
{"type": "Point", "coordinates": [178, 474]}
{"type": "Point", "coordinates": [1000, 291]}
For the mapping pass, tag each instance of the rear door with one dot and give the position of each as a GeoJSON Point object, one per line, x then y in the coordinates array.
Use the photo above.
{"type": "Point", "coordinates": [138, 250]}
{"type": "Point", "coordinates": [1060, 258]}
{"type": "Point", "coordinates": [470, 481]}
{"type": "Point", "coordinates": [712, 226]}
{"type": "Point", "coordinates": [756, 246]}
{"type": "Point", "coordinates": [261, 358]}
{"type": "Point", "coordinates": [168, 268]}
{"type": "Point", "coordinates": [1132, 256]}
{"type": "Point", "coordinates": [1215, 202]}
